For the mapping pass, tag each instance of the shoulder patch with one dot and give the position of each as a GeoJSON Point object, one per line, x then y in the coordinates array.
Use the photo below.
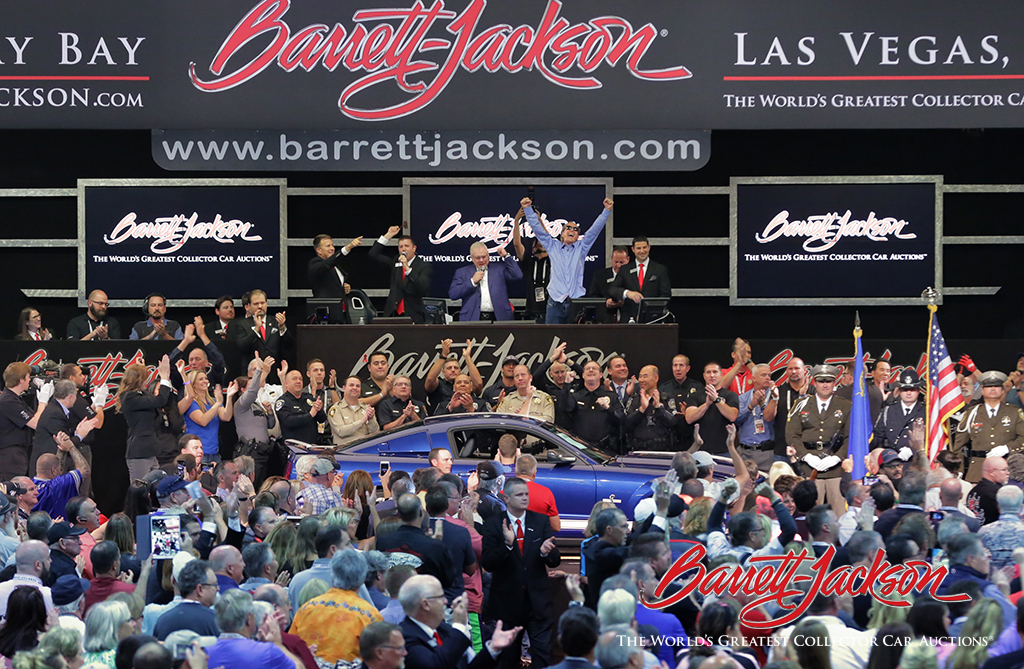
{"type": "Point", "coordinates": [279, 405]}
{"type": "Point", "coordinates": [330, 412]}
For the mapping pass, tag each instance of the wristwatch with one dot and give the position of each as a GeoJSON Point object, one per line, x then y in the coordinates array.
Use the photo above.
{"type": "Point", "coordinates": [717, 400]}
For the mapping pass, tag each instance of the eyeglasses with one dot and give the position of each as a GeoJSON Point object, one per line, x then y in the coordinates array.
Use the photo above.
{"type": "Point", "coordinates": [400, 649]}
{"type": "Point", "coordinates": [441, 596]}
{"type": "Point", "coordinates": [102, 304]}
{"type": "Point", "coordinates": [572, 227]}
{"type": "Point", "coordinates": [209, 585]}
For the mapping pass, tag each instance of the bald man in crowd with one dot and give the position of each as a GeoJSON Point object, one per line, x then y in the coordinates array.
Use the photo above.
{"type": "Point", "coordinates": [94, 324]}
{"type": "Point", "coordinates": [648, 421]}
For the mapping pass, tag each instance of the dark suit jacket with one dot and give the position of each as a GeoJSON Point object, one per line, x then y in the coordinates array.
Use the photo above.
{"type": "Point", "coordinates": [515, 575]}
{"type": "Point", "coordinates": [437, 560]}
{"type": "Point", "coordinates": [888, 519]}
{"type": "Point", "coordinates": [50, 423]}
{"type": "Point", "coordinates": [214, 331]}
{"type": "Point", "coordinates": [602, 560]}
{"type": "Point", "coordinates": [498, 275]}
{"type": "Point", "coordinates": [656, 284]}
{"type": "Point", "coordinates": [412, 289]}
{"type": "Point", "coordinates": [249, 339]}
{"type": "Point", "coordinates": [601, 286]}
{"type": "Point", "coordinates": [323, 279]}
{"type": "Point", "coordinates": [892, 429]}
{"type": "Point", "coordinates": [973, 524]}
{"type": "Point", "coordinates": [446, 656]}
{"type": "Point", "coordinates": [573, 664]}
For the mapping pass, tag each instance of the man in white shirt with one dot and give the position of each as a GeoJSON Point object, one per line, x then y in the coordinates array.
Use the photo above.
{"type": "Point", "coordinates": [32, 562]}
{"type": "Point", "coordinates": [483, 289]}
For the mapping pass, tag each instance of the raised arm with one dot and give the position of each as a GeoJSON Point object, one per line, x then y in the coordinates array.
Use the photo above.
{"type": "Point", "coordinates": [517, 240]}
{"type": "Point", "coordinates": [474, 373]}
{"type": "Point", "coordinates": [430, 382]}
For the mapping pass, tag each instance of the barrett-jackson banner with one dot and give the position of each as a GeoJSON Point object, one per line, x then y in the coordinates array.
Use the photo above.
{"type": "Point", "coordinates": [803, 240]}
{"type": "Point", "coordinates": [447, 219]}
{"type": "Point", "coordinates": [502, 66]}
{"type": "Point", "coordinates": [188, 241]}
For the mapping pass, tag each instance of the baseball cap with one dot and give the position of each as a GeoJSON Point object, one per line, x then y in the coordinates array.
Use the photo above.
{"type": "Point", "coordinates": [179, 561]}
{"type": "Point", "coordinates": [486, 471]}
{"type": "Point", "coordinates": [7, 502]}
{"type": "Point", "coordinates": [169, 484]}
{"type": "Point", "coordinates": [12, 488]}
{"type": "Point", "coordinates": [703, 459]}
{"type": "Point", "coordinates": [180, 641]}
{"type": "Point", "coordinates": [322, 466]}
{"type": "Point", "coordinates": [68, 588]}
{"type": "Point", "coordinates": [888, 455]}
{"type": "Point", "coordinates": [63, 530]}
{"type": "Point", "coordinates": [510, 360]}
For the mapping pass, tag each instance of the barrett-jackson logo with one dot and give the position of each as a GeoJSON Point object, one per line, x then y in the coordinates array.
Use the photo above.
{"type": "Point", "coordinates": [170, 233]}
{"type": "Point", "coordinates": [389, 53]}
{"type": "Point", "coordinates": [824, 231]}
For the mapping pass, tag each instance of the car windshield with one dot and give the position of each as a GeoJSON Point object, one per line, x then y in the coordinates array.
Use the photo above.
{"type": "Point", "coordinates": [393, 432]}
{"type": "Point", "coordinates": [592, 451]}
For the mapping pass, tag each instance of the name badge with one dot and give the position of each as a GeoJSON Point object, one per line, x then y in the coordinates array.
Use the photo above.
{"type": "Point", "coordinates": [538, 295]}
{"type": "Point", "coordinates": [758, 426]}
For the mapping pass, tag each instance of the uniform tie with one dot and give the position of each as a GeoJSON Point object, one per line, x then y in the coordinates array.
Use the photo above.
{"type": "Point", "coordinates": [519, 535]}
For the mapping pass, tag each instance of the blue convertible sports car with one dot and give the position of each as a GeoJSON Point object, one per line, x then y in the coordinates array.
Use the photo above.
{"type": "Point", "coordinates": [577, 472]}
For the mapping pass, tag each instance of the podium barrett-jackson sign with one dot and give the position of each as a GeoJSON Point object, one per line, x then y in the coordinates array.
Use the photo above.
{"type": "Point", "coordinates": [188, 239]}
{"type": "Point", "coordinates": [834, 240]}
{"type": "Point", "coordinates": [537, 65]}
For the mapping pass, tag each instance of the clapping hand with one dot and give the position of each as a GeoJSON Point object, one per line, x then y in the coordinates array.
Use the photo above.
{"type": "Point", "coordinates": [368, 416]}
{"type": "Point", "coordinates": [280, 317]}
{"type": "Point", "coordinates": [446, 348]}
{"type": "Point", "coordinates": [218, 394]}
{"type": "Point", "coordinates": [232, 388]}
{"type": "Point", "coordinates": [547, 546]}
{"type": "Point", "coordinates": [506, 529]}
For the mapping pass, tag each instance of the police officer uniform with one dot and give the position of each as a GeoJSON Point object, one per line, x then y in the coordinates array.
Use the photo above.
{"type": "Point", "coordinates": [443, 410]}
{"type": "Point", "coordinates": [542, 405]}
{"type": "Point", "coordinates": [649, 430]}
{"type": "Point", "coordinates": [323, 430]}
{"type": "Point", "coordinates": [895, 421]}
{"type": "Point", "coordinates": [296, 422]}
{"type": "Point", "coordinates": [347, 423]}
{"type": "Point", "coordinates": [390, 408]}
{"type": "Point", "coordinates": [592, 421]}
{"type": "Point", "coordinates": [810, 431]}
{"type": "Point", "coordinates": [15, 435]}
{"type": "Point", "coordinates": [980, 432]}
{"type": "Point", "coordinates": [677, 396]}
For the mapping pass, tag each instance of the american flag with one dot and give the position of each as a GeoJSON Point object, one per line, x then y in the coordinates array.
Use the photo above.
{"type": "Point", "coordinates": [943, 392]}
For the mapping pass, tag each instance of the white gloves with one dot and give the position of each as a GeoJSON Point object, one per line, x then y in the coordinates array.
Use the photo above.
{"type": "Point", "coordinates": [45, 392]}
{"type": "Point", "coordinates": [905, 453]}
{"type": "Point", "coordinates": [998, 452]}
{"type": "Point", "coordinates": [813, 460]}
{"type": "Point", "coordinates": [828, 462]}
{"type": "Point", "coordinates": [100, 395]}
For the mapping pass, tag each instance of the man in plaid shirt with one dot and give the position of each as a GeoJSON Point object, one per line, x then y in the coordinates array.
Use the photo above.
{"type": "Point", "coordinates": [318, 496]}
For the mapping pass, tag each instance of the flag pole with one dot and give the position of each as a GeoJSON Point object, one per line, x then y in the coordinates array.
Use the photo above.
{"type": "Point", "coordinates": [932, 296]}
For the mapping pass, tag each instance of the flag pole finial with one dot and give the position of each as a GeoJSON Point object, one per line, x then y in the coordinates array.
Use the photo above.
{"type": "Point", "coordinates": [932, 296]}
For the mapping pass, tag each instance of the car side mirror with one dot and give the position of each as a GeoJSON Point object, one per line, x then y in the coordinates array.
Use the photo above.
{"type": "Point", "coordinates": [557, 458]}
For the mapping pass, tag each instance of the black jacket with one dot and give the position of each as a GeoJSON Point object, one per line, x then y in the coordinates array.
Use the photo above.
{"type": "Point", "coordinates": [412, 289]}
{"type": "Point", "coordinates": [423, 655]}
{"type": "Point", "coordinates": [250, 341]}
{"type": "Point", "coordinates": [50, 423]}
{"type": "Point", "coordinates": [515, 575]}
{"type": "Point", "coordinates": [141, 412]}
{"type": "Point", "coordinates": [656, 284]}
{"type": "Point", "coordinates": [437, 561]}
{"type": "Point", "coordinates": [323, 279]}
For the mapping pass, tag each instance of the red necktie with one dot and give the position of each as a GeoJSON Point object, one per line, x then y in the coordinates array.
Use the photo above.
{"type": "Point", "coordinates": [437, 638]}
{"type": "Point", "coordinates": [519, 535]}
{"type": "Point", "coordinates": [641, 277]}
{"type": "Point", "coordinates": [263, 331]}
{"type": "Point", "coordinates": [36, 335]}
{"type": "Point", "coordinates": [401, 303]}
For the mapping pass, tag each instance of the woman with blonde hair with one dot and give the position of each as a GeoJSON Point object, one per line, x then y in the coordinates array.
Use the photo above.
{"type": "Point", "coordinates": [342, 517]}
{"type": "Point", "coordinates": [305, 543]}
{"type": "Point", "coordinates": [58, 648]}
{"type": "Point", "coordinates": [141, 411]}
{"type": "Point", "coordinates": [697, 518]}
{"type": "Point", "coordinates": [204, 413]}
{"type": "Point", "coordinates": [983, 626]}
{"type": "Point", "coordinates": [282, 540]}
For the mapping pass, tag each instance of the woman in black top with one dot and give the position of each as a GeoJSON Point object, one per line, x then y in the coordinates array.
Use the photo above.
{"type": "Point", "coordinates": [141, 412]}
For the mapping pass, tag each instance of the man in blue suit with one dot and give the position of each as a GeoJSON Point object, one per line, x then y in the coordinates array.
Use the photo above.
{"type": "Point", "coordinates": [483, 289]}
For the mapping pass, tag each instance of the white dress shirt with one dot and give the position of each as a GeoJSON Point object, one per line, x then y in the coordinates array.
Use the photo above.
{"type": "Point", "coordinates": [485, 292]}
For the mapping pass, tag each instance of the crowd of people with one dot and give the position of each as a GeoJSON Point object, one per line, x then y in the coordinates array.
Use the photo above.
{"type": "Point", "coordinates": [321, 570]}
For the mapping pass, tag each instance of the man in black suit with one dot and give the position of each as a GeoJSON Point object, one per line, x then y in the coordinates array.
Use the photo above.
{"type": "Point", "coordinates": [410, 538]}
{"type": "Point", "coordinates": [601, 285]}
{"type": "Point", "coordinates": [912, 492]}
{"type": "Point", "coordinates": [518, 547]}
{"type": "Point", "coordinates": [430, 642]}
{"type": "Point", "coordinates": [326, 277]}
{"type": "Point", "coordinates": [410, 276]}
{"type": "Point", "coordinates": [578, 629]}
{"type": "Point", "coordinates": [217, 329]}
{"type": "Point", "coordinates": [604, 557]}
{"type": "Point", "coordinates": [261, 334]}
{"type": "Point", "coordinates": [57, 418]}
{"type": "Point", "coordinates": [639, 279]}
